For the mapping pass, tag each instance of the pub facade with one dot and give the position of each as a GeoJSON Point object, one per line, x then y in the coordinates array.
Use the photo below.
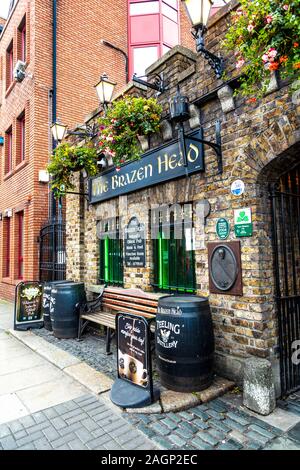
{"type": "Point", "coordinates": [217, 222]}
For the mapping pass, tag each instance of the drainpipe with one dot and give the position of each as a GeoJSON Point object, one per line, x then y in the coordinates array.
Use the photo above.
{"type": "Point", "coordinates": [54, 92]}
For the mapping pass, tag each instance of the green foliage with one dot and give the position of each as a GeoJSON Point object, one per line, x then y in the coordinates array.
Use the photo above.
{"type": "Point", "coordinates": [68, 159]}
{"type": "Point", "coordinates": [265, 36]}
{"type": "Point", "coordinates": [125, 120]}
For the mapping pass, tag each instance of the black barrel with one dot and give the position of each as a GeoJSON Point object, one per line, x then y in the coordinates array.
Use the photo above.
{"type": "Point", "coordinates": [184, 341]}
{"type": "Point", "coordinates": [46, 301]}
{"type": "Point", "coordinates": [63, 311]}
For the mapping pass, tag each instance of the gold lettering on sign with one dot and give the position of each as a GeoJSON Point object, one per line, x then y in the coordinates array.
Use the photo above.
{"type": "Point", "coordinates": [161, 163]}
{"type": "Point", "coordinates": [114, 182]}
{"type": "Point", "coordinates": [99, 186]}
{"type": "Point", "coordinates": [173, 161]}
{"type": "Point", "coordinates": [150, 172]}
{"type": "Point", "coordinates": [195, 150]}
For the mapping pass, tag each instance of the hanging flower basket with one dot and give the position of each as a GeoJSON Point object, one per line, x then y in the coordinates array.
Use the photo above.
{"type": "Point", "coordinates": [265, 36]}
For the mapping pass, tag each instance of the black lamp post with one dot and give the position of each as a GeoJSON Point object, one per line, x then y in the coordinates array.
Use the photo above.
{"type": "Point", "coordinates": [198, 12]}
{"type": "Point", "coordinates": [179, 113]}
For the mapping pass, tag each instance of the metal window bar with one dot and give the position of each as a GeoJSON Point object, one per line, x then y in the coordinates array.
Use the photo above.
{"type": "Point", "coordinates": [111, 258]}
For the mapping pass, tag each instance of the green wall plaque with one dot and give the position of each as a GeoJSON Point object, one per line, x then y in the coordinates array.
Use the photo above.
{"type": "Point", "coordinates": [222, 228]}
{"type": "Point", "coordinates": [243, 226]}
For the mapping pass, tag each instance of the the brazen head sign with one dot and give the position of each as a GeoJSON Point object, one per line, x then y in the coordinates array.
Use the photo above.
{"type": "Point", "coordinates": [28, 306]}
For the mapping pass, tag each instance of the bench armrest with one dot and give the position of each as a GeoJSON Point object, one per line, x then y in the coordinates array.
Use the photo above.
{"type": "Point", "coordinates": [92, 305]}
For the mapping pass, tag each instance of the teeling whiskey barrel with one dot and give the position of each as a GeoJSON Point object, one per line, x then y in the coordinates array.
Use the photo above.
{"type": "Point", "coordinates": [64, 311]}
{"type": "Point", "coordinates": [46, 301]}
{"type": "Point", "coordinates": [184, 343]}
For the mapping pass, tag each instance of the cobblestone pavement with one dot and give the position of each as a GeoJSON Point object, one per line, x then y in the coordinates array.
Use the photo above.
{"type": "Point", "coordinates": [81, 424]}
{"type": "Point", "coordinates": [215, 425]}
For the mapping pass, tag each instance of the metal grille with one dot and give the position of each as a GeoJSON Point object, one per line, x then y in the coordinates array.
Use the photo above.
{"type": "Point", "coordinates": [285, 199]}
{"type": "Point", "coordinates": [53, 252]}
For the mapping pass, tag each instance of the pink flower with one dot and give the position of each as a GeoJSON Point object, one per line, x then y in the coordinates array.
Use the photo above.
{"type": "Point", "coordinates": [265, 58]}
{"type": "Point", "coordinates": [269, 19]}
{"type": "Point", "coordinates": [272, 52]}
{"type": "Point", "coordinates": [285, 7]}
{"type": "Point", "coordinates": [250, 27]}
{"type": "Point", "coordinates": [240, 63]}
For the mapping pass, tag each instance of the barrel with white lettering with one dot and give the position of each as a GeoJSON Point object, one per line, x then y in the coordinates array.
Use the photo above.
{"type": "Point", "coordinates": [46, 301]}
{"type": "Point", "coordinates": [64, 309]}
{"type": "Point", "coordinates": [184, 341]}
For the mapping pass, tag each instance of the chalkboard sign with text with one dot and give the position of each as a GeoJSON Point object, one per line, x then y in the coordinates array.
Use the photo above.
{"type": "Point", "coordinates": [28, 306]}
{"type": "Point", "coordinates": [135, 252]}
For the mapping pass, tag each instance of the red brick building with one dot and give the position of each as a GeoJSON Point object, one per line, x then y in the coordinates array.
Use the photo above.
{"type": "Point", "coordinates": [140, 28]}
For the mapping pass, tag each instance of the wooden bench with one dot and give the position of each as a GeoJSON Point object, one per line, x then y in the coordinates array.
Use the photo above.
{"type": "Point", "coordinates": [111, 300]}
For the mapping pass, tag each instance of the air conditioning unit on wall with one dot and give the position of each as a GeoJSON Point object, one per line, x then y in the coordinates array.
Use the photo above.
{"type": "Point", "coordinates": [19, 71]}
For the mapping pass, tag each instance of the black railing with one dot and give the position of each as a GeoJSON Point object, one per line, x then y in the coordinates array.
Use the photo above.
{"type": "Point", "coordinates": [53, 251]}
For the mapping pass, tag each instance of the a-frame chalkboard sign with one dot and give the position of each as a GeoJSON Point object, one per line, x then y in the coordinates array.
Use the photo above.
{"type": "Point", "coordinates": [28, 306]}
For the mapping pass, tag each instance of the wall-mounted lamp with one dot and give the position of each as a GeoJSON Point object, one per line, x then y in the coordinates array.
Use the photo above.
{"type": "Point", "coordinates": [179, 111]}
{"type": "Point", "coordinates": [198, 12]}
{"type": "Point", "coordinates": [105, 90]}
{"type": "Point", "coordinates": [156, 81]}
{"type": "Point", "coordinates": [60, 131]}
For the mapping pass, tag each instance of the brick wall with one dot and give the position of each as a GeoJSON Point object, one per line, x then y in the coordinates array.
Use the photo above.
{"type": "Point", "coordinates": [257, 140]}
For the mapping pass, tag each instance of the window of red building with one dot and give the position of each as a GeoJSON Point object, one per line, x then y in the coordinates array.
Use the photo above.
{"type": "Point", "coordinates": [153, 30]}
{"type": "Point", "coordinates": [9, 150]}
{"type": "Point", "coordinates": [6, 239]}
{"type": "Point", "coordinates": [22, 40]}
{"type": "Point", "coordinates": [9, 65]}
{"type": "Point", "coordinates": [20, 245]}
{"type": "Point", "coordinates": [21, 143]}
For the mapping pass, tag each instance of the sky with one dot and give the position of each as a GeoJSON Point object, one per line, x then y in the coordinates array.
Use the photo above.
{"type": "Point", "coordinates": [4, 4]}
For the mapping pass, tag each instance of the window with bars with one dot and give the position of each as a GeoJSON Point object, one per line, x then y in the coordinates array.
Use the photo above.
{"type": "Point", "coordinates": [173, 251]}
{"type": "Point", "coordinates": [111, 254]}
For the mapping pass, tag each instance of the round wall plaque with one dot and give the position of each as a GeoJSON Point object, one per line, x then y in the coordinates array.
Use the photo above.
{"type": "Point", "coordinates": [223, 267]}
{"type": "Point", "coordinates": [222, 228]}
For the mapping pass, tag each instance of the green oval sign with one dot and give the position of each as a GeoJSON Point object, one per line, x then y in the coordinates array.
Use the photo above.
{"type": "Point", "coordinates": [223, 228]}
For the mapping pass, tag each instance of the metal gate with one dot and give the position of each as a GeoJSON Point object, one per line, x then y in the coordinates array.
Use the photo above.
{"type": "Point", "coordinates": [285, 197]}
{"type": "Point", "coordinates": [53, 251]}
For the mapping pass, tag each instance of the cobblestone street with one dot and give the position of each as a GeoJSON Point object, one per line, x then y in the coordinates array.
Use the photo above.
{"type": "Point", "coordinates": [42, 408]}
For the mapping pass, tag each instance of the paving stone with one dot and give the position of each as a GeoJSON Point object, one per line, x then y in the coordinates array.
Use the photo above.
{"type": "Point", "coordinates": [98, 415]}
{"type": "Point", "coordinates": [235, 443]}
{"type": "Point", "coordinates": [237, 436]}
{"type": "Point", "coordinates": [234, 425]}
{"type": "Point", "coordinates": [253, 445]}
{"type": "Point", "coordinates": [51, 433]}
{"type": "Point", "coordinates": [63, 447]}
{"type": "Point", "coordinates": [200, 444]}
{"type": "Point", "coordinates": [39, 417]}
{"type": "Point", "coordinates": [71, 428]}
{"type": "Point", "coordinates": [169, 423]}
{"type": "Point", "coordinates": [219, 425]}
{"type": "Point", "coordinates": [175, 417]}
{"type": "Point", "coordinates": [4, 431]}
{"type": "Point", "coordinates": [51, 413]}
{"type": "Point", "coordinates": [185, 433]}
{"type": "Point", "coordinates": [217, 434]}
{"type": "Point", "coordinates": [145, 418]}
{"type": "Point", "coordinates": [132, 445]}
{"type": "Point", "coordinates": [239, 419]}
{"type": "Point", "coordinates": [64, 440]}
{"type": "Point", "coordinates": [186, 415]}
{"type": "Point", "coordinates": [163, 430]}
{"type": "Point", "coordinates": [120, 431]}
{"type": "Point", "coordinates": [27, 421]}
{"type": "Point", "coordinates": [112, 445]}
{"type": "Point", "coordinates": [58, 423]}
{"type": "Point", "coordinates": [188, 426]}
{"type": "Point", "coordinates": [84, 398]}
{"type": "Point", "coordinates": [76, 419]}
{"type": "Point", "coordinates": [282, 443]}
{"type": "Point", "coordinates": [226, 446]}
{"type": "Point", "coordinates": [94, 405]}
{"type": "Point", "coordinates": [27, 447]}
{"type": "Point", "coordinates": [218, 405]}
{"type": "Point", "coordinates": [38, 427]}
{"type": "Point", "coordinates": [15, 426]}
{"type": "Point", "coordinates": [112, 426]}
{"type": "Point", "coordinates": [146, 446]}
{"type": "Point", "coordinates": [257, 437]}
{"type": "Point", "coordinates": [163, 442]}
{"type": "Point", "coordinates": [83, 434]}
{"type": "Point", "coordinates": [200, 413]}
{"type": "Point", "coordinates": [125, 437]}
{"type": "Point", "coordinates": [200, 424]}
{"type": "Point", "coordinates": [294, 433]}
{"type": "Point", "coordinates": [145, 429]}
{"type": "Point", "coordinates": [20, 434]}
{"type": "Point", "coordinates": [260, 430]}
{"type": "Point", "coordinates": [89, 424]}
{"type": "Point", "coordinates": [207, 438]}
{"type": "Point", "coordinates": [72, 413]}
{"type": "Point", "coordinates": [8, 443]}
{"type": "Point", "coordinates": [215, 414]}
{"type": "Point", "coordinates": [30, 438]}
{"type": "Point", "coordinates": [178, 441]}
{"type": "Point", "coordinates": [42, 444]}
{"type": "Point", "coordinates": [77, 445]}
{"type": "Point", "coordinates": [97, 433]}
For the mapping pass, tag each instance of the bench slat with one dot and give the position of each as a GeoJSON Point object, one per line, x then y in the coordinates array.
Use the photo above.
{"type": "Point", "coordinates": [115, 303]}
{"type": "Point", "coordinates": [134, 300]}
{"type": "Point", "coordinates": [127, 308]}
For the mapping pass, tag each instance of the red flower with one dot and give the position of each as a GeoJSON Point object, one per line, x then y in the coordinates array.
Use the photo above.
{"type": "Point", "coordinates": [251, 100]}
{"type": "Point", "coordinates": [296, 44]}
{"type": "Point", "coordinates": [274, 66]}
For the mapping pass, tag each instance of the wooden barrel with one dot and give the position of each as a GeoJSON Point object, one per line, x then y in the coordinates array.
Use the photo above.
{"type": "Point", "coordinates": [46, 301]}
{"type": "Point", "coordinates": [184, 342]}
{"type": "Point", "coordinates": [63, 308]}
